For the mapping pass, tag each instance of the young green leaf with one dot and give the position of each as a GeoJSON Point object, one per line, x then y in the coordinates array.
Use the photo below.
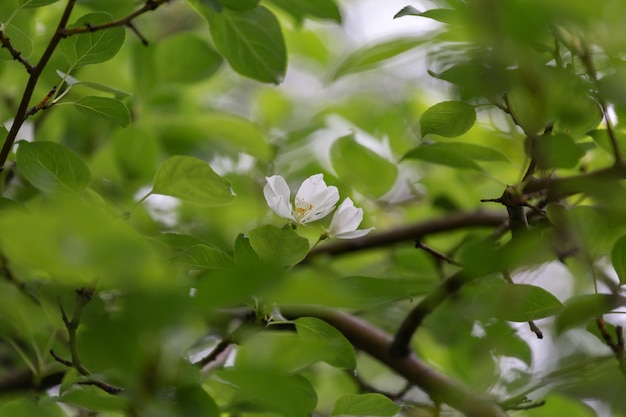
{"type": "Point", "coordinates": [442, 154]}
{"type": "Point", "coordinates": [193, 180]}
{"type": "Point", "coordinates": [105, 108]}
{"type": "Point", "coordinates": [448, 119]}
{"type": "Point", "coordinates": [319, 9]}
{"type": "Point", "coordinates": [331, 346]}
{"type": "Point", "coordinates": [372, 404]}
{"type": "Point", "coordinates": [250, 40]}
{"type": "Point", "coordinates": [470, 150]}
{"type": "Point", "coordinates": [52, 167]}
{"type": "Point", "coordinates": [279, 246]}
{"type": "Point", "coordinates": [361, 167]}
{"type": "Point", "coordinates": [92, 47]}
{"type": "Point", "coordinates": [370, 57]}
{"type": "Point", "coordinates": [618, 257]}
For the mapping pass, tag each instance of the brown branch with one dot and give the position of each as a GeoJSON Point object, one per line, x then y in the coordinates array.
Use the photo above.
{"type": "Point", "coordinates": [479, 218]}
{"type": "Point", "coordinates": [377, 343]}
{"type": "Point", "coordinates": [435, 253]}
{"type": "Point", "coordinates": [127, 21]}
{"type": "Point", "coordinates": [17, 55]}
{"type": "Point", "coordinates": [400, 347]}
{"type": "Point", "coordinates": [35, 73]}
{"type": "Point", "coordinates": [617, 347]}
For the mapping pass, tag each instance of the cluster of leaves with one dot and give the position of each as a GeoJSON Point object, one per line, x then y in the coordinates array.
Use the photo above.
{"type": "Point", "coordinates": [130, 303]}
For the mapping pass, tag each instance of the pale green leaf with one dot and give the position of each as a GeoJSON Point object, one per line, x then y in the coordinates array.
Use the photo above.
{"type": "Point", "coordinates": [361, 167]}
{"type": "Point", "coordinates": [52, 167]}
{"type": "Point", "coordinates": [448, 119]}
{"type": "Point", "coordinates": [92, 47]}
{"type": "Point", "coordinates": [470, 150]}
{"type": "Point", "coordinates": [580, 309]}
{"type": "Point", "coordinates": [331, 346]}
{"type": "Point", "coordinates": [372, 404]}
{"type": "Point", "coordinates": [72, 81]}
{"type": "Point", "coordinates": [193, 180]}
{"type": "Point", "coordinates": [372, 56]}
{"type": "Point", "coordinates": [280, 246]}
{"type": "Point", "coordinates": [105, 108]}
{"type": "Point", "coordinates": [31, 4]}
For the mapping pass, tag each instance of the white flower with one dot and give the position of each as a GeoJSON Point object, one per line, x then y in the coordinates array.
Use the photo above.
{"type": "Point", "coordinates": [346, 220]}
{"type": "Point", "coordinates": [314, 200]}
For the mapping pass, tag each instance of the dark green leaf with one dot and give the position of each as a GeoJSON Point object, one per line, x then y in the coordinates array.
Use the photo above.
{"type": "Point", "coordinates": [319, 9]}
{"type": "Point", "coordinates": [361, 167]}
{"type": "Point", "coordinates": [579, 310]}
{"type": "Point", "coordinates": [26, 406]}
{"type": "Point", "coordinates": [194, 253]}
{"type": "Point", "coordinates": [373, 404]}
{"type": "Point", "coordinates": [618, 257]}
{"type": "Point", "coordinates": [442, 154]}
{"type": "Point", "coordinates": [194, 401]}
{"type": "Point", "coordinates": [104, 108]}
{"type": "Point", "coordinates": [288, 395]}
{"type": "Point", "coordinates": [280, 246]}
{"type": "Point", "coordinates": [52, 167]}
{"type": "Point", "coordinates": [370, 57]}
{"type": "Point", "coordinates": [331, 346]}
{"type": "Point", "coordinates": [557, 150]}
{"type": "Point", "coordinates": [92, 47]}
{"type": "Point", "coordinates": [193, 180]}
{"type": "Point", "coordinates": [239, 4]}
{"type": "Point", "coordinates": [93, 398]}
{"type": "Point", "coordinates": [250, 40]}
{"type": "Point", "coordinates": [186, 58]}
{"type": "Point", "coordinates": [407, 11]}
{"type": "Point", "coordinates": [448, 119]}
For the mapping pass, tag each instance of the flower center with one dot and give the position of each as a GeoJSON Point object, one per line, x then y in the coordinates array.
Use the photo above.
{"type": "Point", "coordinates": [302, 209]}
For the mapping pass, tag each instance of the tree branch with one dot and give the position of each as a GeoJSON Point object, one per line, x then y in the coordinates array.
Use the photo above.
{"type": "Point", "coordinates": [17, 55]}
{"type": "Point", "coordinates": [479, 218]}
{"type": "Point", "coordinates": [377, 343]}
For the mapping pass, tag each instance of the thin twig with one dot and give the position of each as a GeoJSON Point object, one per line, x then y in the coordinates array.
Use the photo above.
{"type": "Point", "coordinates": [533, 327]}
{"type": "Point", "coordinates": [441, 256]}
{"type": "Point", "coordinates": [17, 55]}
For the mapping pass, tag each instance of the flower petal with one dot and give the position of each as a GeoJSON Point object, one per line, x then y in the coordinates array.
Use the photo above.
{"type": "Point", "coordinates": [277, 194]}
{"type": "Point", "coordinates": [314, 199]}
{"type": "Point", "coordinates": [353, 234]}
{"type": "Point", "coordinates": [346, 220]}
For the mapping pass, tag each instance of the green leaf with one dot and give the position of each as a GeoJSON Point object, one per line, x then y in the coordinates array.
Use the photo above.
{"type": "Point", "coordinates": [618, 257]}
{"type": "Point", "coordinates": [279, 246]}
{"type": "Point", "coordinates": [472, 151]}
{"type": "Point", "coordinates": [20, 41]}
{"type": "Point", "coordinates": [31, 4]}
{"type": "Point", "coordinates": [26, 406]}
{"type": "Point", "coordinates": [332, 346]}
{"type": "Point", "coordinates": [250, 40]}
{"type": "Point", "coordinates": [361, 167]}
{"type": "Point", "coordinates": [448, 119]}
{"type": "Point", "coordinates": [448, 16]}
{"type": "Point", "coordinates": [301, 9]}
{"type": "Point", "coordinates": [72, 81]}
{"type": "Point", "coordinates": [557, 150]}
{"type": "Point", "coordinates": [517, 302]}
{"type": "Point", "coordinates": [193, 180]}
{"type": "Point", "coordinates": [442, 154]}
{"type": "Point", "coordinates": [186, 58]}
{"type": "Point", "coordinates": [194, 401]}
{"type": "Point", "coordinates": [579, 310]}
{"type": "Point", "coordinates": [239, 4]}
{"type": "Point", "coordinates": [561, 405]}
{"type": "Point", "coordinates": [288, 395]}
{"type": "Point", "coordinates": [370, 57]}
{"type": "Point", "coordinates": [192, 252]}
{"type": "Point", "coordinates": [601, 138]}
{"type": "Point", "coordinates": [52, 168]}
{"type": "Point", "coordinates": [105, 108]}
{"type": "Point", "coordinates": [372, 404]}
{"type": "Point", "coordinates": [92, 47]}
{"type": "Point", "coordinates": [93, 398]}
{"type": "Point", "coordinates": [367, 292]}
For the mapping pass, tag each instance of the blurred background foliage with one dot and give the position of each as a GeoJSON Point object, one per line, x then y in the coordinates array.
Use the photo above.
{"type": "Point", "coordinates": [416, 125]}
